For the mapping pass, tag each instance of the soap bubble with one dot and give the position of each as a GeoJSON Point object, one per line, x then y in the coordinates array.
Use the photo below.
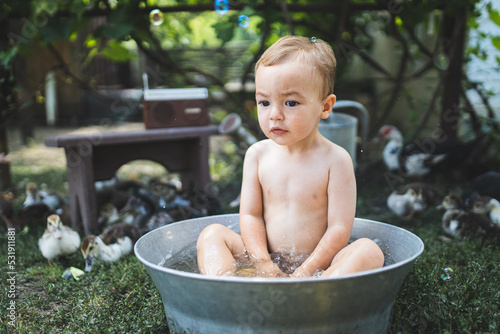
{"type": "Point", "coordinates": [170, 235]}
{"type": "Point", "coordinates": [221, 6]}
{"type": "Point", "coordinates": [243, 21]}
{"type": "Point", "coordinates": [156, 17]}
{"type": "Point", "coordinates": [447, 275]}
{"type": "Point", "coordinates": [441, 61]}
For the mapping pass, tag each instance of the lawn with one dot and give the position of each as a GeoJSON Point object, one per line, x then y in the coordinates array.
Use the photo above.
{"type": "Point", "coordinates": [122, 298]}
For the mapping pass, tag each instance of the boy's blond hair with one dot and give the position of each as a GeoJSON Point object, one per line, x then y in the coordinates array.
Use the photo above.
{"type": "Point", "coordinates": [312, 51]}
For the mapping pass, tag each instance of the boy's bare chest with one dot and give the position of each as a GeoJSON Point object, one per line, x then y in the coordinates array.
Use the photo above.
{"type": "Point", "coordinates": [304, 181]}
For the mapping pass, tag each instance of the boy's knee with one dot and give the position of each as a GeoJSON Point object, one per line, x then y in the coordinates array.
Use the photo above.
{"type": "Point", "coordinates": [371, 253]}
{"type": "Point", "coordinates": [211, 231]}
{"type": "Point", "coordinates": [214, 229]}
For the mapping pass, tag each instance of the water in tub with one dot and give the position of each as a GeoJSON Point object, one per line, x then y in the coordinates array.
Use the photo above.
{"type": "Point", "coordinates": [185, 260]}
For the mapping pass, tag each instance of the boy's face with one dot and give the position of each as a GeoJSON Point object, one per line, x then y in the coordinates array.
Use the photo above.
{"type": "Point", "coordinates": [288, 99]}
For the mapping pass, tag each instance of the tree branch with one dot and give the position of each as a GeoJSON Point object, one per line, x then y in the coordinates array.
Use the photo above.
{"type": "Point", "coordinates": [430, 108]}
{"type": "Point", "coordinates": [286, 14]}
{"type": "Point", "coordinates": [399, 77]}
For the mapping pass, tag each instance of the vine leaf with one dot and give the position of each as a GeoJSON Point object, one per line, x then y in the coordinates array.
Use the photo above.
{"type": "Point", "coordinates": [115, 50]}
{"type": "Point", "coordinates": [494, 15]}
{"type": "Point", "coordinates": [495, 40]}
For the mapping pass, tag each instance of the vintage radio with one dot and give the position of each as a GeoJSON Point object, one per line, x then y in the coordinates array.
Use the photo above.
{"type": "Point", "coordinates": [165, 108]}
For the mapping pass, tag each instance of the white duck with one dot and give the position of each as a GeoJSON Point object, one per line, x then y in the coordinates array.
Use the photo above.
{"type": "Point", "coordinates": [422, 156]}
{"type": "Point", "coordinates": [58, 239]}
{"type": "Point", "coordinates": [115, 242]}
{"type": "Point", "coordinates": [400, 158]}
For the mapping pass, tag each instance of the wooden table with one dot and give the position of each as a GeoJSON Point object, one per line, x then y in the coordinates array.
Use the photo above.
{"type": "Point", "coordinates": [97, 157]}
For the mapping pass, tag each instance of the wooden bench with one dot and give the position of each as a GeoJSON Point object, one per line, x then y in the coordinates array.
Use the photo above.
{"type": "Point", "coordinates": [97, 157]}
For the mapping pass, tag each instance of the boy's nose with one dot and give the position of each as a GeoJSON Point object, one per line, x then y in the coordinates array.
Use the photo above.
{"type": "Point", "coordinates": [276, 114]}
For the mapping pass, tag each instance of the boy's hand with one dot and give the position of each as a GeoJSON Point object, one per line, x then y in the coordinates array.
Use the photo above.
{"type": "Point", "coordinates": [300, 273]}
{"type": "Point", "coordinates": [269, 269]}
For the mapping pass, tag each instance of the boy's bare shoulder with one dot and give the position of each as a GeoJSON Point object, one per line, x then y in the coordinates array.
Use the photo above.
{"type": "Point", "coordinates": [260, 147]}
{"type": "Point", "coordinates": [336, 154]}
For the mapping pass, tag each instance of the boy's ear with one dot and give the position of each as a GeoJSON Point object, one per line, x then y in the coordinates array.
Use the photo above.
{"type": "Point", "coordinates": [328, 103]}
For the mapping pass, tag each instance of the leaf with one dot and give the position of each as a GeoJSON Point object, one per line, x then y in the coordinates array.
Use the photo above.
{"type": "Point", "coordinates": [495, 40]}
{"type": "Point", "coordinates": [224, 29]}
{"type": "Point", "coordinates": [494, 15]}
{"type": "Point", "coordinates": [56, 28]}
{"type": "Point", "coordinates": [114, 50]}
{"type": "Point", "coordinates": [115, 31]}
{"type": "Point", "coordinates": [7, 56]}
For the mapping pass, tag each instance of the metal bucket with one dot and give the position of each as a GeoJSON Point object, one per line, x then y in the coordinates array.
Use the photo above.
{"type": "Point", "coordinates": [195, 303]}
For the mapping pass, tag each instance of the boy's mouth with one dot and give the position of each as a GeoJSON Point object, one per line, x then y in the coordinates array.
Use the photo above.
{"type": "Point", "coordinates": [278, 131]}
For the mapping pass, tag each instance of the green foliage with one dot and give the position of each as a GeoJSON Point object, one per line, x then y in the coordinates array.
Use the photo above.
{"type": "Point", "coordinates": [116, 51]}
{"type": "Point", "coordinates": [59, 28]}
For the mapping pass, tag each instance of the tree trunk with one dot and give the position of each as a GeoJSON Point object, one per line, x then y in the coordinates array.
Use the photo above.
{"type": "Point", "coordinates": [454, 28]}
{"type": "Point", "coordinates": [5, 90]}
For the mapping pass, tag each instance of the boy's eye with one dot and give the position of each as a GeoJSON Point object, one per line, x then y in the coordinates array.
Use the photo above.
{"type": "Point", "coordinates": [291, 103]}
{"type": "Point", "coordinates": [264, 103]}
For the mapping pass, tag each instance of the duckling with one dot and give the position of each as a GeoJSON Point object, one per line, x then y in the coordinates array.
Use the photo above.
{"type": "Point", "coordinates": [486, 184]}
{"type": "Point", "coordinates": [58, 239]}
{"type": "Point", "coordinates": [31, 194]}
{"type": "Point", "coordinates": [163, 192]}
{"type": "Point", "coordinates": [50, 197]}
{"type": "Point", "coordinates": [489, 207]}
{"type": "Point", "coordinates": [117, 197]}
{"type": "Point", "coordinates": [411, 200]}
{"type": "Point", "coordinates": [108, 215]}
{"type": "Point", "coordinates": [137, 210]}
{"type": "Point", "coordinates": [460, 223]}
{"type": "Point", "coordinates": [34, 214]}
{"type": "Point", "coordinates": [157, 220]}
{"type": "Point", "coordinates": [115, 242]}
{"type": "Point", "coordinates": [421, 157]}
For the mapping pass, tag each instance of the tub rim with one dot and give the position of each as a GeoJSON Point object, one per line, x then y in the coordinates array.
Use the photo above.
{"type": "Point", "coordinates": [271, 280]}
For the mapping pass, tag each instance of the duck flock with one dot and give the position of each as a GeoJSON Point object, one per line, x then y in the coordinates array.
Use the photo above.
{"type": "Point", "coordinates": [475, 212]}
{"type": "Point", "coordinates": [127, 210]}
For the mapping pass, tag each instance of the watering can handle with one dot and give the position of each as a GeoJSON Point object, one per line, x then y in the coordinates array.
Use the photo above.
{"type": "Point", "coordinates": [359, 111]}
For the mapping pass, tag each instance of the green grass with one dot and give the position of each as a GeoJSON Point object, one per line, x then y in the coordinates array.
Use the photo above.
{"type": "Point", "coordinates": [123, 299]}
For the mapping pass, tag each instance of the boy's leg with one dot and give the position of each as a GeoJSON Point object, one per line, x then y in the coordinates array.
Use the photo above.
{"type": "Point", "coordinates": [217, 248]}
{"type": "Point", "coordinates": [362, 254]}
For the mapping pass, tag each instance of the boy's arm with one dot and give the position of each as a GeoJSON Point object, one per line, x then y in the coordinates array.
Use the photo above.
{"type": "Point", "coordinates": [252, 225]}
{"type": "Point", "coordinates": [341, 212]}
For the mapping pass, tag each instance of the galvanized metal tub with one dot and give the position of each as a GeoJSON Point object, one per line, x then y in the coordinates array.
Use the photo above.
{"type": "Point", "coordinates": [195, 303]}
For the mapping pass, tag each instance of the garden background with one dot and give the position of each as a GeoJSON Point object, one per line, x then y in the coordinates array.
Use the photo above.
{"type": "Point", "coordinates": [426, 67]}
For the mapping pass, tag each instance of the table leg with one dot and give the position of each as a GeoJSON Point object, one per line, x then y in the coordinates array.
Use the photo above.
{"type": "Point", "coordinates": [81, 189]}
